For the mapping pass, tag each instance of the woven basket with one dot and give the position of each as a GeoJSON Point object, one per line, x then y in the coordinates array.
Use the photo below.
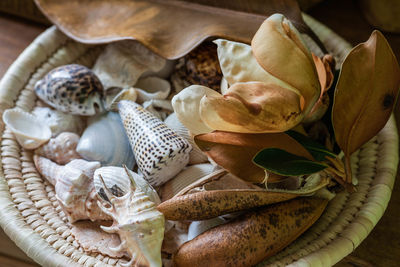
{"type": "Point", "coordinates": [33, 219]}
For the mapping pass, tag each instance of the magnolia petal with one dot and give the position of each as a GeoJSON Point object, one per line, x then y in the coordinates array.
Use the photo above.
{"type": "Point", "coordinates": [186, 105]}
{"type": "Point", "coordinates": [252, 107]}
{"type": "Point", "coordinates": [279, 49]}
{"type": "Point", "coordinates": [238, 64]}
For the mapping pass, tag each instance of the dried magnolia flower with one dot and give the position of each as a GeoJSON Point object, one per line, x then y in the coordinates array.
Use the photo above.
{"type": "Point", "coordinates": [274, 82]}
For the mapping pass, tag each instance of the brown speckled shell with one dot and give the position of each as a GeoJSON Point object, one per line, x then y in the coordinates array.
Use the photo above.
{"type": "Point", "coordinates": [201, 66]}
{"type": "Point", "coordinates": [73, 89]}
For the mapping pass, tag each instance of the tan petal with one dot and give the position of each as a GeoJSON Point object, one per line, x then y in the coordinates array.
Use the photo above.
{"type": "Point", "coordinates": [186, 105]}
{"type": "Point", "coordinates": [252, 107]}
{"type": "Point", "coordinates": [279, 49]}
{"type": "Point", "coordinates": [238, 64]}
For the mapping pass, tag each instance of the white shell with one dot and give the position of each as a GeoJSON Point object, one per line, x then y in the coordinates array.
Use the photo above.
{"type": "Point", "coordinates": [61, 149]}
{"type": "Point", "coordinates": [59, 121]}
{"type": "Point", "coordinates": [186, 105]}
{"type": "Point", "coordinates": [138, 223]}
{"type": "Point", "coordinates": [116, 94]}
{"type": "Point", "coordinates": [74, 188]}
{"type": "Point", "coordinates": [186, 177]}
{"type": "Point", "coordinates": [29, 131]}
{"type": "Point", "coordinates": [159, 108]}
{"type": "Point", "coordinates": [160, 153]}
{"type": "Point", "coordinates": [122, 63]}
{"type": "Point", "coordinates": [105, 140]}
{"type": "Point", "coordinates": [196, 156]}
{"type": "Point", "coordinates": [116, 180]}
{"type": "Point", "coordinates": [152, 88]}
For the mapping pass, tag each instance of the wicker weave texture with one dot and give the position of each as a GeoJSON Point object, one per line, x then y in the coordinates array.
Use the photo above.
{"type": "Point", "coordinates": [32, 217]}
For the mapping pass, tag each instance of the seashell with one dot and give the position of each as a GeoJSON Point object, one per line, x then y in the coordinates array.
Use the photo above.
{"type": "Point", "coordinates": [61, 149]}
{"type": "Point", "coordinates": [138, 223]}
{"type": "Point", "coordinates": [117, 181]}
{"type": "Point", "coordinates": [165, 72]}
{"type": "Point", "coordinates": [198, 227]}
{"type": "Point", "coordinates": [186, 105]}
{"type": "Point", "coordinates": [201, 66]}
{"type": "Point", "coordinates": [248, 239]}
{"type": "Point", "coordinates": [74, 188]}
{"type": "Point", "coordinates": [29, 131]}
{"type": "Point", "coordinates": [196, 156]}
{"type": "Point", "coordinates": [178, 83]}
{"type": "Point", "coordinates": [159, 107]}
{"type": "Point", "coordinates": [105, 140]}
{"type": "Point", "coordinates": [122, 63]}
{"type": "Point", "coordinates": [92, 239]}
{"type": "Point", "coordinates": [152, 88]}
{"type": "Point", "coordinates": [186, 177]}
{"type": "Point", "coordinates": [116, 94]}
{"type": "Point", "coordinates": [72, 89]}
{"type": "Point", "coordinates": [160, 153]}
{"type": "Point", "coordinates": [59, 121]}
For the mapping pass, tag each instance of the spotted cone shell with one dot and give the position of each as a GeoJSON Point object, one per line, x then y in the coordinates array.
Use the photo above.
{"type": "Point", "coordinates": [160, 153]}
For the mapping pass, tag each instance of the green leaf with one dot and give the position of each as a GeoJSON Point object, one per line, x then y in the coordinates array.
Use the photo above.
{"type": "Point", "coordinates": [281, 162]}
{"type": "Point", "coordinates": [318, 151]}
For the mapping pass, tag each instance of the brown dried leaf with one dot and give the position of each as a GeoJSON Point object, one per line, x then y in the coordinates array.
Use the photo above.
{"type": "Point", "coordinates": [169, 28]}
{"type": "Point", "coordinates": [365, 94]}
{"type": "Point", "coordinates": [367, 88]}
{"type": "Point", "coordinates": [235, 151]}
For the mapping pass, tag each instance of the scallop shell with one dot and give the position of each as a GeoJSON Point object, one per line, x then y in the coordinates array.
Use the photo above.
{"type": "Point", "coordinates": [73, 89]}
{"type": "Point", "coordinates": [159, 108]}
{"type": "Point", "coordinates": [201, 66]}
{"type": "Point", "coordinates": [61, 149]}
{"type": "Point", "coordinates": [122, 63]}
{"type": "Point", "coordinates": [186, 177]}
{"type": "Point", "coordinates": [138, 223]}
{"type": "Point", "coordinates": [160, 153]}
{"type": "Point", "coordinates": [196, 156]}
{"type": "Point", "coordinates": [116, 181]}
{"type": "Point", "coordinates": [152, 88]}
{"type": "Point", "coordinates": [105, 140]}
{"type": "Point", "coordinates": [74, 188]}
{"type": "Point", "coordinates": [29, 131]}
{"type": "Point", "coordinates": [59, 121]}
{"type": "Point", "coordinates": [186, 105]}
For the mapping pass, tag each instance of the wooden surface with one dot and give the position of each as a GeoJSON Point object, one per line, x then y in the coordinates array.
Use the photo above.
{"type": "Point", "coordinates": [380, 248]}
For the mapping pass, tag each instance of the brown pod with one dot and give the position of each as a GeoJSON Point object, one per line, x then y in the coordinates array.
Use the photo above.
{"type": "Point", "coordinates": [252, 237]}
{"type": "Point", "coordinates": [210, 204]}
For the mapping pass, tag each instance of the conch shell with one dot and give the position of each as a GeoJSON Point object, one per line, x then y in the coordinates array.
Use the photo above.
{"type": "Point", "coordinates": [61, 149]}
{"type": "Point", "coordinates": [136, 220]}
{"type": "Point", "coordinates": [74, 188]}
{"type": "Point", "coordinates": [267, 91]}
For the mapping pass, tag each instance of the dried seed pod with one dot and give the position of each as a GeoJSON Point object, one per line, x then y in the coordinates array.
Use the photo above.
{"type": "Point", "coordinates": [210, 204]}
{"type": "Point", "coordinates": [250, 238]}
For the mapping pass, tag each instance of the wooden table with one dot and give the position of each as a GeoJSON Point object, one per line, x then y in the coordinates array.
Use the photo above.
{"type": "Point", "coordinates": [380, 248]}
